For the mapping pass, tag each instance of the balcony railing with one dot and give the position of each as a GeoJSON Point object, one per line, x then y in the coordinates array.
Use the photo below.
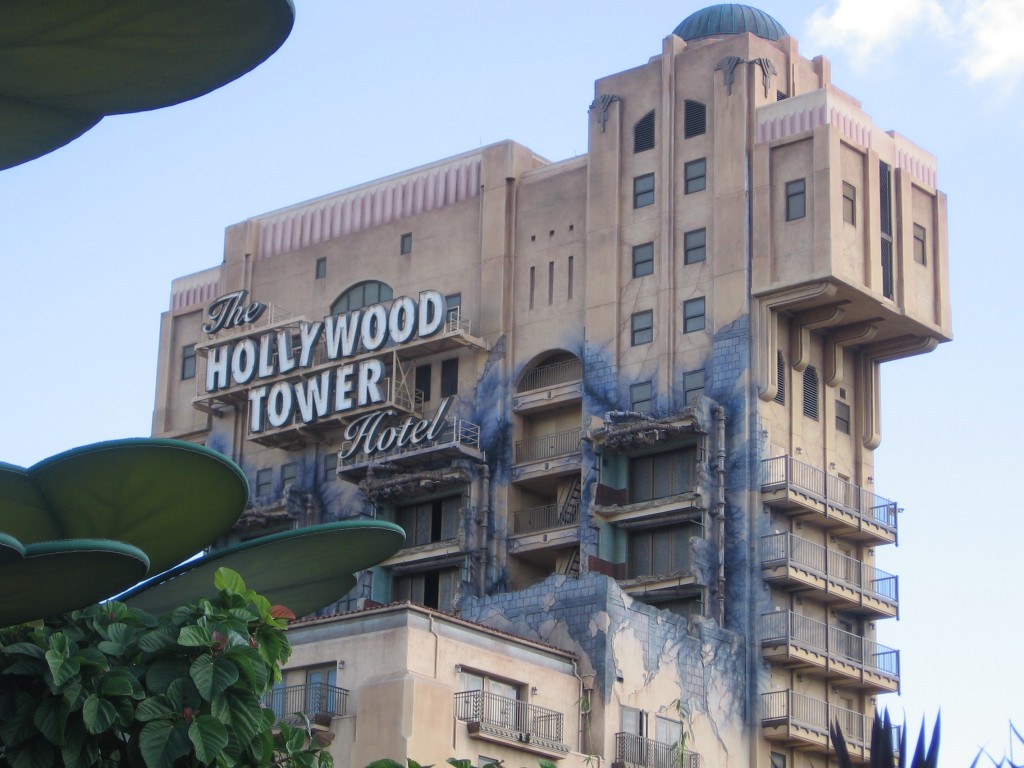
{"type": "Point", "coordinates": [548, 446]}
{"type": "Point", "coordinates": [829, 564]}
{"type": "Point", "coordinates": [634, 751]}
{"type": "Point", "coordinates": [815, 715]}
{"type": "Point", "coordinates": [510, 717]}
{"type": "Point", "coordinates": [785, 471]}
{"type": "Point", "coordinates": [552, 375]}
{"type": "Point", "coordinates": [545, 517]}
{"type": "Point", "coordinates": [790, 628]}
{"type": "Point", "coordinates": [311, 699]}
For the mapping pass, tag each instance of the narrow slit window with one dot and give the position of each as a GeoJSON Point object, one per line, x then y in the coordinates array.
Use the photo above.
{"type": "Point", "coordinates": [796, 199]}
{"type": "Point", "coordinates": [643, 133]}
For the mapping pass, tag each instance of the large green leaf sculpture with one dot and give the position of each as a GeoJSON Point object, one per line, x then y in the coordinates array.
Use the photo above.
{"type": "Point", "coordinates": [94, 521]}
{"type": "Point", "coordinates": [65, 64]}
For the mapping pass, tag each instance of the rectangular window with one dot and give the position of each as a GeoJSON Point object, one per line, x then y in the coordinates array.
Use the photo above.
{"type": "Point", "coordinates": [533, 284]}
{"type": "Point", "coordinates": [453, 302]}
{"type": "Point", "coordinates": [321, 268]}
{"type": "Point", "coordinates": [695, 174]}
{"type": "Point", "coordinates": [641, 397]}
{"type": "Point", "coordinates": [405, 244]}
{"type": "Point", "coordinates": [434, 589]}
{"type": "Point", "coordinates": [643, 190]}
{"type": "Point", "coordinates": [694, 119]}
{"type": "Point", "coordinates": [694, 246]}
{"type": "Point", "coordinates": [188, 361]}
{"type": "Point", "coordinates": [920, 244]}
{"type": "Point", "coordinates": [661, 474]}
{"type": "Point", "coordinates": [693, 385]}
{"type": "Point", "coordinates": [693, 315]}
{"type": "Point", "coordinates": [321, 698]}
{"type": "Point", "coordinates": [331, 466]}
{"type": "Point", "coordinates": [551, 282]}
{"type": "Point", "coordinates": [289, 473]}
{"type": "Point", "coordinates": [642, 328]}
{"type": "Point", "coordinates": [423, 382]}
{"type": "Point", "coordinates": [668, 731]}
{"type": "Point", "coordinates": [849, 203]}
{"type": "Point", "coordinates": [660, 551]}
{"type": "Point", "coordinates": [264, 482]}
{"type": "Point", "coordinates": [842, 417]}
{"type": "Point", "coordinates": [449, 377]}
{"type": "Point", "coordinates": [796, 199]}
{"type": "Point", "coordinates": [570, 278]}
{"type": "Point", "coordinates": [643, 259]}
{"type": "Point", "coordinates": [431, 521]}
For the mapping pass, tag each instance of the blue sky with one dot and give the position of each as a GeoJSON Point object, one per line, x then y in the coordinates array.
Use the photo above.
{"type": "Point", "coordinates": [93, 234]}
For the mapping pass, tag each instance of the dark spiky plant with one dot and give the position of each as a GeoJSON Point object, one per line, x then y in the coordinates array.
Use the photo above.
{"type": "Point", "coordinates": [883, 751]}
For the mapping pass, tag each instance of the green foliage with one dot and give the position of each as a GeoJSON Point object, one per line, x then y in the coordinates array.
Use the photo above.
{"type": "Point", "coordinates": [111, 686]}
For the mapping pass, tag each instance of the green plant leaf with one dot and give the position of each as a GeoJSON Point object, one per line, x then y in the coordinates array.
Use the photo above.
{"type": "Point", "coordinates": [227, 580]}
{"type": "Point", "coordinates": [92, 657]}
{"type": "Point", "coordinates": [154, 708]}
{"type": "Point", "coordinates": [98, 714]}
{"type": "Point", "coordinates": [209, 736]}
{"type": "Point", "coordinates": [240, 711]}
{"type": "Point", "coordinates": [50, 718]}
{"type": "Point", "coordinates": [25, 649]}
{"type": "Point", "coordinates": [35, 753]}
{"type": "Point", "coordinates": [388, 763]}
{"type": "Point", "coordinates": [212, 675]}
{"type": "Point", "coordinates": [182, 693]}
{"type": "Point", "coordinates": [117, 683]}
{"type": "Point", "coordinates": [162, 673]}
{"type": "Point", "coordinates": [251, 666]}
{"type": "Point", "coordinates": [161, 743]}
{"type": "Point", "coordinates": [158, 639]}
{"type": "Point", "coordinates": [195, 636]}
{"type": "Point", "coordinates": [17, 725]}
{"type": "Point", "coordinates": [61, 666]}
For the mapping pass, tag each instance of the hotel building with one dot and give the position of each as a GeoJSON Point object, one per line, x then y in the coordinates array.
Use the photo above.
{"type": "Point", "coordinates": [624, 405]}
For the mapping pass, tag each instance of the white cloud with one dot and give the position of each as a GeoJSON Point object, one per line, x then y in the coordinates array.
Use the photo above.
{"type": "Point", "coordinates": [996, 28]}
{"type": "Point", "coordinates": [861, 27]}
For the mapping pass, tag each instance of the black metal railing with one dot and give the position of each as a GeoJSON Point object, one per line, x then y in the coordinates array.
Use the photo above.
{"type": "Point", "coordinates": [310, 699]}
{"type": "Point", "coordinates": [639, 752]}
{"type": "Point", "coordinates": [548, 446]}
{"type": "Point", "coordinates": [843, 569]}
{"type": "Point", "coordinates": [509, 715]}
{"type": "Point", "coordinates": [814, 715]}
{"type": "Point", "coordinates": [792, 473]}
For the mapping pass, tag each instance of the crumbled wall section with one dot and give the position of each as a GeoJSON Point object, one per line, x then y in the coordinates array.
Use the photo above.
{"type": "Point", "coordinates": [585, 615]}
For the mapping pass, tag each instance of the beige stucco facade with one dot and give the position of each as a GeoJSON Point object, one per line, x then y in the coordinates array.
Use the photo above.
{"type": "Point", "coordinates": [625, 405]}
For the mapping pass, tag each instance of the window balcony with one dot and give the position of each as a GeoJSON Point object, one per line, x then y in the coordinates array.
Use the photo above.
{"type": "Point", "coordinates": [545, 518]}
{"type": "Point", "coordinates": [554, 453]}
{"type": "Point", "coordinates": [632, 751]}
{"type": "Point", "coordinates": [800, 642]}
{"type": "Point", "coordinates": [803, 722]}
{"type": "Point", "coordinates": [550, 386]}
{"type": "Point", "coordinates": [794, 563]}
{"type": "Point", "coordinates": [798, 489]}
{"type": "Point", "coordinates": [505, 720]}
{"type": "Point", "coordinates": [314, 700]}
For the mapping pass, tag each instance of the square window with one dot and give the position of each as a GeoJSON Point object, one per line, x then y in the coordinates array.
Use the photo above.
{"type": "Point", "coordinates": [695, 174]}
{"type": "Point", "coordinates": [188, 361]}
{"type": "Point", "coordinates": [321, 268]}
{"type": "Point", "coordinates": [641, 397]}
{"type": "Point", "coordinates": [405, 245]}
{"type": "Point", "coordinates": [643, 190]}
{"type": "Point", "coordinates": [642, 328]}
{"type": "Point", "coordinates": [693, 385]}
{"type": "Point", "coordinates": [643, 259]}
{"type": "Point", "coordinates": [264, 482]}
{"type": "Point", "coordinates": [796, 199]}
{"type": "Point", "coordinates": [842, 417]}
{"type": "Point", "coordinates": [693, 315]}
{"type": "Point", "coordinates": [920, 244]}
{"type": "Point", "coordinates": [849, 203]}
{"type": "Point", "coordinates": [331, 466]}
{"type": "Point", "coordinates": [289, 473]}
{"type": "Point", "coordinates": [695, 246]}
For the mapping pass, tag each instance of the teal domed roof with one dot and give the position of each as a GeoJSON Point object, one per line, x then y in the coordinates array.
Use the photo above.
{"type": "Point", "coordinates": [729, 19]}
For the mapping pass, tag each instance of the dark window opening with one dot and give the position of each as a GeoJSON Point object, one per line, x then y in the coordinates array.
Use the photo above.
{"type": "Point", "coordinates": [885, 220]}
{"type": "Point", "coordinates": [423, 382]}
{"type": "Point", "coordinates": [849, 203]}
{"type": "Point", "coordinates": [188, 361]}
{"type": "Point", "coordinates": [693, 385]}
{"type": "Point", "coordinates": [694, 119]}
{"type": "Point", "coordinates": [405, 244]}
{"type": "Point", "coordinates": [642, 328]}
{"type": "Point", "coordinates": [321, 268]}
{"type": "Point", "coordinates": [780, 374]}
{"type": "Point", "coordinates": [660, 551]}
{"type": "Point", "coordinates": [920, 244]}
{"type": "Point", "coordinates": [842, 417]}
{"type": "Point", "coordinates": [811, 392]}
{"type": "Point", "coordinates": [641, 397]}
{"type": "Point", "coordinates": [695, 246]}
{"type": "Point", "coordinates": [693, 315]}
{"type": "Point", "coordinates": [661, 474]}
{"type": "Point", "coordinates": [643, 133]}
{"type": "Point", "coordinates": [449, 377]}
{"type": "Point", "coordinates": [430, 522]}
{"type": "Point", "coordinates": [264, 482]}
{"type": "Point", "coordinates": [362, 295]}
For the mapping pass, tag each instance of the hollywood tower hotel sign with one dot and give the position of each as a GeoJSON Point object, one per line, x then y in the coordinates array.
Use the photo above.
{"type": "Point", "coordinates": [315, 370]}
